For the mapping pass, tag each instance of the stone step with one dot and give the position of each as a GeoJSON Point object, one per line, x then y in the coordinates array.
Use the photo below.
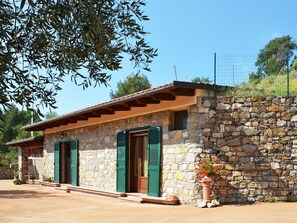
{"type": "Point", "coordinates": [63, 189]}
{"type": "Point", "coordinates": [129, 197]}
{"type": "Point", "coordinates": [96, 192]}
{"type": "Point", "coordinates": [142, 198]}
{"type": "Point", "coordinates": [133, 199]}
{"type": "Point", "coordinates": [159, 200]}
{"type": "Point", "coordinates": [48, 184]}
{"type": "Point", "coordinates": [134, 194]}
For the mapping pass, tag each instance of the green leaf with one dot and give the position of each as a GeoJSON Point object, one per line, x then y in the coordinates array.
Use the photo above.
{"type": "Point", "coordinates": [22, 4]}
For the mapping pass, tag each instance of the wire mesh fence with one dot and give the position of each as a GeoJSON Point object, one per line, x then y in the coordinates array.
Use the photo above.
{"type": "Point", "coordinates": [235, 70]}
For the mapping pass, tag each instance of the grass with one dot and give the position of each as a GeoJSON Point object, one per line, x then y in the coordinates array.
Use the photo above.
{"type": "Point", "coordinates": [275, 85]}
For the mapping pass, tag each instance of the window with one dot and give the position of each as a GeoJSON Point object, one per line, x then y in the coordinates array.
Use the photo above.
{"type": "Point", "coordinates": [179, 120]}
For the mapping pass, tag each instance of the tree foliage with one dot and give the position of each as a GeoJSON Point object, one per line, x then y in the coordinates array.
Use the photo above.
{"type": "Point", "coordinates": [254, 77]}
{"type": "Point", "coordinates": [132, 84]}
{"type": "Point", "coordinates": [294, 64]}
{"type": "Point", "coordinates": [50, 115]}
{"type": "Point", "coordinates": [273, 58]}
{"type": "Point", "coordinates": [201, 80]}
{"type": "Point", "coordinates": [42, 41]}
{"type": "Point", "coordinates": [10, 129]}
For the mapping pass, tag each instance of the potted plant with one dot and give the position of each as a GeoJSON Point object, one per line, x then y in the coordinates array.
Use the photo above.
{"type": "Point", "coordinates": [206, 170]}
{"type": "Point", "coordinates": [16, 179]}
{"type": "Point", "coordinates": [49, 179]}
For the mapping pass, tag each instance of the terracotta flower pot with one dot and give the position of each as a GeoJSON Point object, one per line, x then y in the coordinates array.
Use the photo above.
{"type": "Point", "coordinates": [206, 182]}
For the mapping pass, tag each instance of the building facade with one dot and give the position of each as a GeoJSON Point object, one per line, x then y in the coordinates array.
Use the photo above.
{"type": "Point", "coordinates": [150, 142]}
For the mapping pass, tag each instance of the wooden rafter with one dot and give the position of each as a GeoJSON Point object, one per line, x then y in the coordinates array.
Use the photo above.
{"type": "Point", "coordinates": [149, 100]}
{"type": "Point", "coordinates": [164, 96]}
{"type": "Point", "coordinates": [167, 92]}
{"type": "Point", "coordinates": [135, 103]}
{"type": "Point", "coordinates": [106, 111]}
{"type": "Point", "coordinates": [183, 92]}
{"type": "Point", "coordinates": [120, 107]}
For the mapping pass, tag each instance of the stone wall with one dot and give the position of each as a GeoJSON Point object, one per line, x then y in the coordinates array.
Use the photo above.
{"type": "Point", "coordinates": [97, 154]}
{"type": "Point", "coordinates": [180, 150]}
{"type": "Point", "coordinates": [7, 172]}
{"type": "Point", "coordinates": [255, 140]}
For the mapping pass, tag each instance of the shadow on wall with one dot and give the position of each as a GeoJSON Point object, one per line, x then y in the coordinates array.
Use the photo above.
{"type": "Point", "coordinates": [254, 140]}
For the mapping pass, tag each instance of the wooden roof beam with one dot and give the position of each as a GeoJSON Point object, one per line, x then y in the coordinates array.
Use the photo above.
{"type": "Point", "coordinates": [70, 120]}
{"type": "Point", "coordinates": [94, 114]}
{"type": "Point", "coordinates": [135, 103]}
{"type": "Point", "coordinates": [106, 111]}
{"type": "Point", "coordinates": [148, 100]}
{"type": "Point", "coordinates": [164, 96]}
{"type": "Point", "coordinates": [82, 117]}
{"type": "Point", "coordinates": [120, 107]}
{"type": "Point", "coordinates": [183, 92]}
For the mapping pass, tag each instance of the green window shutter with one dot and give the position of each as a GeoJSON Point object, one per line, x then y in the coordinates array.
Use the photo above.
{"type": "Point", "coordinates": [74, 162]}
{"type": "Point", "coordinates": [122, 162]}
{"type": "Point", "coordinates": [57, 163]}
{"type": "Point", "coordinates": [154, 160]}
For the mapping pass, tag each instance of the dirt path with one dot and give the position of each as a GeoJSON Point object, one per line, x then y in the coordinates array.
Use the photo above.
{"type": "Point", "coordinates": [33, 203]}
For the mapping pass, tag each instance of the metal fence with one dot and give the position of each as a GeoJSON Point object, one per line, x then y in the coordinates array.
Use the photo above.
{"type": "Point", "coordinates": [234, 70]}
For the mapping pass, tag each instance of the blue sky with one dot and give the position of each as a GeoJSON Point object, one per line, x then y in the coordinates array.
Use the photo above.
{"type": "Point", "coordinates": [188, 33]}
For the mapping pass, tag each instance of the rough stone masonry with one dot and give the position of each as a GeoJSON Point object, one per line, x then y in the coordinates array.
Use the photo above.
{"type": "Point", "coordinates": [255, 140]}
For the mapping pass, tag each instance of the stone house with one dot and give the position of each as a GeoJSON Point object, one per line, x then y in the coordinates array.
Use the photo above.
{"type": "Point", "coordinates": [144, 142]}
{"type": "Point", "coordinates": [149, 142]}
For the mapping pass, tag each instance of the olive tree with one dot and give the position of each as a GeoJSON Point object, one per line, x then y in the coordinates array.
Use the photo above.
{"type": "Point", "coordinates": [42, 41]}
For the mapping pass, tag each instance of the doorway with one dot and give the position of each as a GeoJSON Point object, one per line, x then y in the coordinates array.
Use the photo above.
{"type": "Point", "coordinates": [138, 162]}
{"type": "Point", "coordinates": [65, 162]}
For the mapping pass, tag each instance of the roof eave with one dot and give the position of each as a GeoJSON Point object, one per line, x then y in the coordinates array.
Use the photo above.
{"type": "Point", "coordinates": [27, 142]}
{"type": "Point", "coordinates": [135, 96]}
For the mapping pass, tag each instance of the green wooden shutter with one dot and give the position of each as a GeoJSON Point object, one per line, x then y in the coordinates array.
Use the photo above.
{"type": "Point", "coordinates": [154, 160]}
{"type": "Point", "coordinates": [57, 163]}
{"type": "Point", "coordinates": [122, 162]}
{"type": "Point", "coordinates": [74, 162]}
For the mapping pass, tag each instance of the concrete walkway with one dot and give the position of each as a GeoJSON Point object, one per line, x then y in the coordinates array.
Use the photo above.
{"type": "Point", "coordinates": [33, 203]}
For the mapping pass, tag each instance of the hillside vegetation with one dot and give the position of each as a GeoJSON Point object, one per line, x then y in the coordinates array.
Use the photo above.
{"type": "Point", "coordinates": [275, 85]}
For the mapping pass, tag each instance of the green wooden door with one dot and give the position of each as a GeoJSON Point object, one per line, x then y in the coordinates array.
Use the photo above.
{"type": "Point", "coordinates": [57, 162]}
{"type": "Point", "coordinates": [122, 162]}
{"type": "Point", "coordinates": [154, 160]}
{"type": "Point", "coordinates": [74, 162]}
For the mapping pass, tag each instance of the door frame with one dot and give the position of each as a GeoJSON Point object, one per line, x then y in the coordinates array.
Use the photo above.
{"type": "Point", "coordinates": [74, 161]}
{"type": "Point", "coordinates": [140, 179]}
{"type": "Point", "coordinates": [154, 159]}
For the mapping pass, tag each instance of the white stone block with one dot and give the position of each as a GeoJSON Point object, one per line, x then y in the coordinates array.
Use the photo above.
{"type": "Point", "coordinates": [201, 204]}
{"type": "Point", "coordinates": [210, 205]}
{"type": "Point", "coordinates": [170, 190]}
{"type": "Point", "coordinates": [275, 166]}
{"type": "Point", "coordinates": [190, 157]}
{"type": "Point", "coordinates": [184, 167]}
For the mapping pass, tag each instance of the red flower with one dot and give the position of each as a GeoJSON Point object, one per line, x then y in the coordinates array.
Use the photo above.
{"type": "Point", "coordinates": [207, 167]}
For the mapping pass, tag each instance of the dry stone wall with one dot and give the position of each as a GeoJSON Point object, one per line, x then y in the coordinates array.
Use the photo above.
{"type": "Point", "coordinates": [7, 172]}
{"type": "Point", "coordinates": [255, 138]}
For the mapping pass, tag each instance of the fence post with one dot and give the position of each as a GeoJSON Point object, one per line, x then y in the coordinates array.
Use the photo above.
{"type": "Point", "coordinates": [288, 77]}
{"type": "Point", "coordinates": [215, 74]}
